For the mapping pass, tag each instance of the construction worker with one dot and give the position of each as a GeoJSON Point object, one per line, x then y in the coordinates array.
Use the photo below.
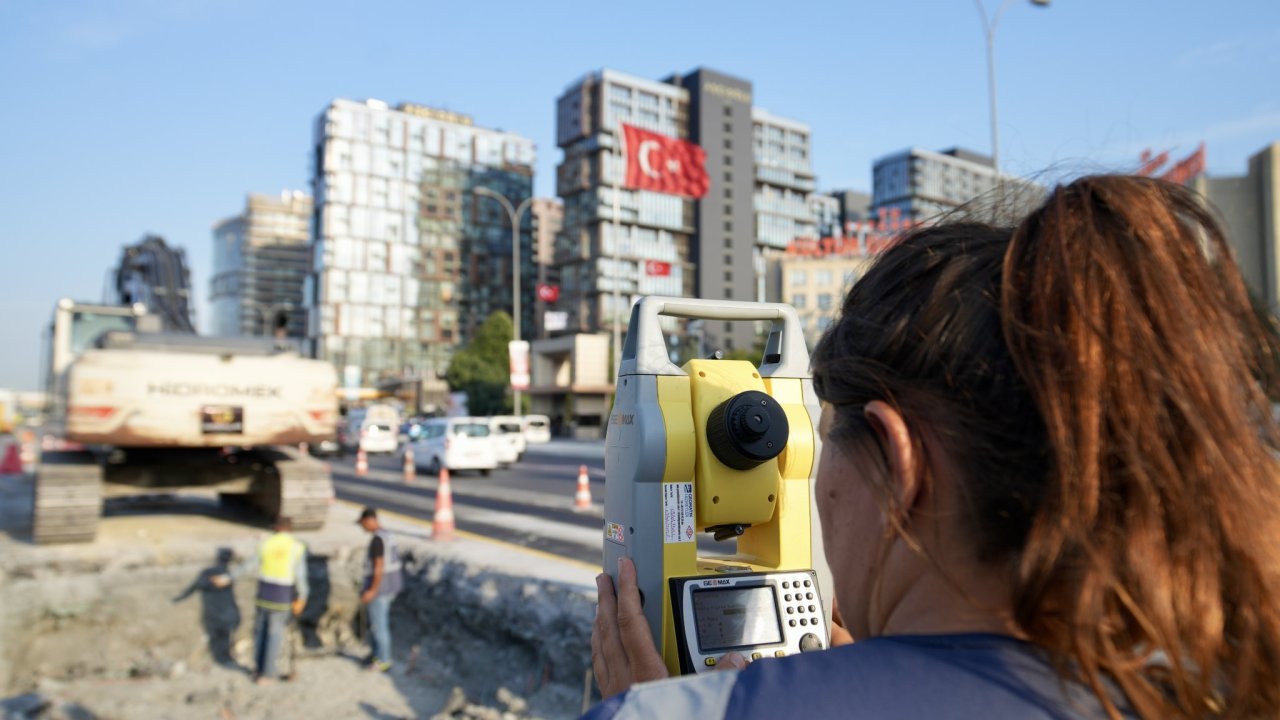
{"type": "Point", "coordinates": [383, 578]}
{"type": "Point", "coordinates": [281, 562]}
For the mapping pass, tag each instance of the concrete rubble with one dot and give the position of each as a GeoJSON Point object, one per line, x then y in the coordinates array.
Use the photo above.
{"type": "Point", "coordinates": [129, 627]}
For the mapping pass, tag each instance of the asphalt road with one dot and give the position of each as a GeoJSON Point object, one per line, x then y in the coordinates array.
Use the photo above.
{"type": "Point", "coordinates": [530, 503]}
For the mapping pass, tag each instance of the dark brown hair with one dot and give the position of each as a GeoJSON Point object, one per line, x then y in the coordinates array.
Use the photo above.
{"type": "Point", "coordinates": [1098, 373]}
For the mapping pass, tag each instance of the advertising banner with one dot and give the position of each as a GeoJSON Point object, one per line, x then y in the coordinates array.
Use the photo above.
{"type": "Point", "coordinates": [519, 352]}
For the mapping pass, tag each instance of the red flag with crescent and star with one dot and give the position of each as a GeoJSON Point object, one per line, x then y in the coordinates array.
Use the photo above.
{"type": "Point", "coordinates": [664, 164]}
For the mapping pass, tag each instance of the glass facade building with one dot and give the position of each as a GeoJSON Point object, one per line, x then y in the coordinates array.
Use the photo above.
{"type": "Point", "coordinates": [408, 261]}
{"type": "Point", "coordinates": [261, 259]}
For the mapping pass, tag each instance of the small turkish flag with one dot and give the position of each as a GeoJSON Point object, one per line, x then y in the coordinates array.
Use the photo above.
{"type": "Point", "coordinates": [657, 267]}
{"type": "Point", "coordinates": [548, 293]}
{"type": "Point", "coordinates": [664, 164]}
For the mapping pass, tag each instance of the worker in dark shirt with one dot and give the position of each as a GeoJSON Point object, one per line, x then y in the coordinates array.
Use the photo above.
{"type": "Point", "coordinates": [383, 579]}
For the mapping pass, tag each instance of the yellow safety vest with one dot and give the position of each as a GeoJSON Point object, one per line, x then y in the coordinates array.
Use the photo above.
{"type": "Point", "coordinates": [279, 556]}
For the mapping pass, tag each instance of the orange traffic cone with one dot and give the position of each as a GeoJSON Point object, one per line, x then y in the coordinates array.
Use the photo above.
{"type": "Point", "coordinates": [410, 469]}
{"type": "Point", "coordinates": [362, 463]}
{"type": "Point", "coordinates": [582, 499]}
{"type": "Point", "coordinates": [12, 463]}
{"type": "Point", "coordinates": [442, 526]}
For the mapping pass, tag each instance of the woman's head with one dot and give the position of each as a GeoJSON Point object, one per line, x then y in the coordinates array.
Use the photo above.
{"type": "Point", "coordinates": [1092, 380]}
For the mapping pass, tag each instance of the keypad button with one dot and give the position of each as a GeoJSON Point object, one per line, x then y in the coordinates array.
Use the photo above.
{"type": "Point", "coordinates": [790, 610]}
{"type": "Point", "coordinates": [792, 623]}
{"type": "Point", "coordinates": [807, 596]}
{"type": "Point", "coordinates": [804, 621]}
{"type": "Point", "coordinates": [785, 584]}
{"type": "Point", "coordinates": [779, 653]}
{"type": "Point", "coordinates": [806, 583]}
{"type": "Point", "coordinates": [710, 662]}
{"type": "Point", "coordinates": [812, 609]}
{"type": "Point", "coordinates": [787, 598]}
{"type": "Point", "coordinates": [756, 656]}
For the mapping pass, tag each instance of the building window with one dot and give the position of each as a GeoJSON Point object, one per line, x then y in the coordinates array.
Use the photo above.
{"type": "Point", "coordinates": [728, 226]}
{"type": "Point", "coordinates": [799, 277]}
{"type": "Point", "coordinates": [798, 301]}
{"type": "Point", "coordinates": [728, 242]}
{"type": "Point", "coordinates": [824, 301]}
{"type": "Point", "coordinates": [728, 127]}
{"type": "Point", "coordinates": [824, 323]}
{"type": "Point", "coordinates": [728, 176]}
{"type": "Point", "coordinates": [728, 111]}
{"type": "Point", "coordinates": [728, 144]}
{"type": "Point", "coordinates": [822, 278]}
{"type": "Point", "coordinates": [728, 295]}
{"type": "Point", "coordinates": [728, 159]}
{"type": "Point", "coordinates": [728, 193]}
{"type": "Point", "coordinates": [728, 276]}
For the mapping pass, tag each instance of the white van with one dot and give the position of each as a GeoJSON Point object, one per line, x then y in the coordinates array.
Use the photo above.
{"type": "Point", "coordinates": [456, 443]}
{"type": "Point", "coordinates": [537, 429]}
{"type": "Point", "coordinates": [508, 434]}
{"type": "Point", "coordinates": [376, 429]}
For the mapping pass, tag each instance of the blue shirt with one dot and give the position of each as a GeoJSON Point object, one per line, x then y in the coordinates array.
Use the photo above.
{"type": "Point", "coordinates": [901, 676]}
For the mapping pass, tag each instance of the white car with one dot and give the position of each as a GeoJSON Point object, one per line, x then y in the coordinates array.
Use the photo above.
{"type": "Point", "coordinates": [508, 434]}
{"type": "Point", "coordinates": [377, 437]}
{"type": "Point", "coordinates": [457, 443]}
{"type": "Point", "coordinates": [537, 429]}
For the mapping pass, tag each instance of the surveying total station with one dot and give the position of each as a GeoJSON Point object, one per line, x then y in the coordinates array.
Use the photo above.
{"type": "Point", "coordinates": [726, 448]}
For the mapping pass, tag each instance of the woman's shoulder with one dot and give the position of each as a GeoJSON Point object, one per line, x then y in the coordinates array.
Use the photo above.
{"type": "Point", "coordinates": [918, 676]}
{"type": "Point", "coordinates": [922, 676]}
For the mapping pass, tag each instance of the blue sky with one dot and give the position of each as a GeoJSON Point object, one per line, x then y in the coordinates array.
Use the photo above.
{"type": "Point", "coordinates": [140, 116]}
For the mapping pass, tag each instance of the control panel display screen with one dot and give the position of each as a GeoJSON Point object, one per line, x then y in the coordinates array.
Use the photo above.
{"type": "Point", "coordinates": [736, 617]}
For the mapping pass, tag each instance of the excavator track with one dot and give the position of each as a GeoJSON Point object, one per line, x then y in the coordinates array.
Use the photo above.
{"type": "Point", "coordinates": [68, 498]}
{"type": "Point", "coordinates": [296, 485]}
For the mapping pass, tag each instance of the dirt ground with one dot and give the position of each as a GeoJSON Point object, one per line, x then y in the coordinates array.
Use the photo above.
{"type": "Point", "coordinates": [128, 627]}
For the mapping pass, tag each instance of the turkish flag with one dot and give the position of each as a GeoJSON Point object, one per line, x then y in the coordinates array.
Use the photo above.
{"type": "Point", "coordinates": [548, 293]}
{"type": "Point", "coordinates": [664, 164]}
{"type": "Point", "coordinates": [657, 267]}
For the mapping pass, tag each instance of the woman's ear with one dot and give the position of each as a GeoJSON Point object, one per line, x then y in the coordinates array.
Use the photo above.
{"type": "Point", "coordinates": [900, 452]}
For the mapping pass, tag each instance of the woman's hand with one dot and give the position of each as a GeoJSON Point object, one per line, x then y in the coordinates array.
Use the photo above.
{"type": "Point", "coordinates": [840, 635]}
{"type": "Point", "coordinates": [622, 649]}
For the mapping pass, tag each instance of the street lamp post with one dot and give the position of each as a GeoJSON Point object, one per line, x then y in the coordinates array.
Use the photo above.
{"type": "Point", "coordinates": [514, 214]}
{"type": "Point", "coordinates": [989, 24]}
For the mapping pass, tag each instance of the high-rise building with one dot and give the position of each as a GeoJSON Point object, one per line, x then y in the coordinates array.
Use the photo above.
{"type": "Point", "coordinates": [825, 210]}
{"type": "Point", "coordinates": [715, 247]}
{"type": "Point", "coordinates": [1249, 206]}
{"type": "Point", "coordinates": [915, 185]}
{"type": "Point", "coordinates": [261, 259]}
{"type": "Point", "coordinates": [408, 260]}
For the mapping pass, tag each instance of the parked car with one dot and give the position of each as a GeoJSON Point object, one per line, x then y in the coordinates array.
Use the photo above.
{"type": "Point", "coordinates": [508, 433]}
{"type": "Point", "coordinates": [374, 429]}
{"type": "Point", "coordinates": [537, 429]}
{"type": "Point", "coordinates": [456, 443]}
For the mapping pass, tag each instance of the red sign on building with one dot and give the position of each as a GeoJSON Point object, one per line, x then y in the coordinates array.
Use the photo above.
{"type": "Point", "coordinates": [657, 268]}
{"type": "Point", "coordinates": [548, 293]}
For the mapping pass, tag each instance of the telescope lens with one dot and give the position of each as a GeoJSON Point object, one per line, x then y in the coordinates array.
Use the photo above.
{"type": "Point", "coordinates": [748, 429]}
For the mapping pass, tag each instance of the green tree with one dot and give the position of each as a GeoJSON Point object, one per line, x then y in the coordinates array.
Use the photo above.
{"type": "Point", "coordinates": [481, 370]}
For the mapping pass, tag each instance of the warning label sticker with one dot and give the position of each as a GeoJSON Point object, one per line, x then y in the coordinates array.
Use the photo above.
{"type": "Point", "coordinates": [613, 533]}
{"type": "Point", "coordinates": [677, 512]}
